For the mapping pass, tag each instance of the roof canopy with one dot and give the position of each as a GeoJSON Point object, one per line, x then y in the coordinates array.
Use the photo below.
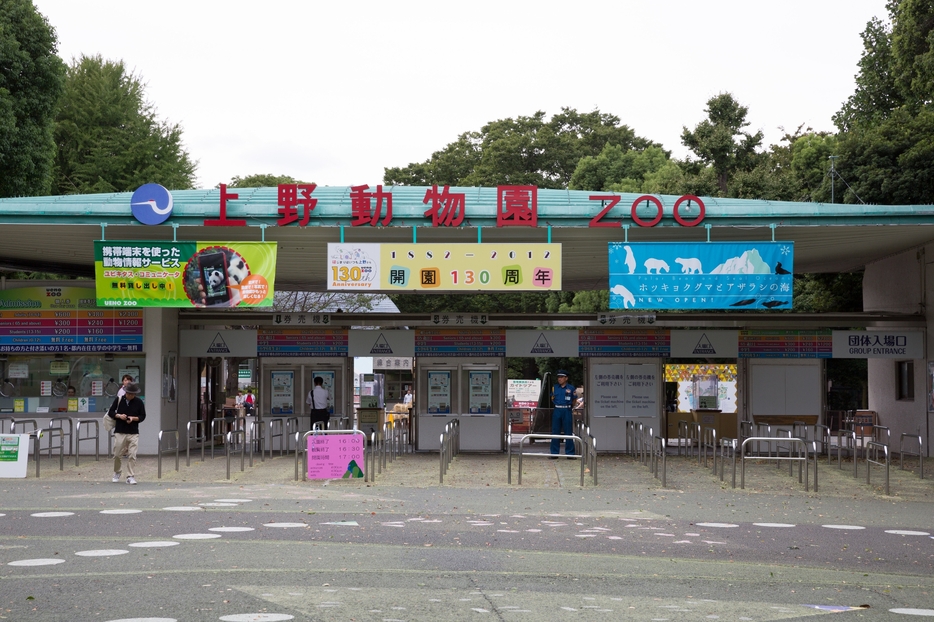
{"type": "Point", "coordinates": [57, 233]}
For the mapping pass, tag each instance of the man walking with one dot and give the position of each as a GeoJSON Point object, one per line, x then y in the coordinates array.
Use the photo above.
{"type": "Point", "coordinates": [562, 397]}
{"type": "Point", "coordinates": [128, 412]}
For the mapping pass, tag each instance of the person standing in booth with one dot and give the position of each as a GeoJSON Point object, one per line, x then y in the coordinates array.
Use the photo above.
{"type": "Point", "coordinates": [318, 401]}
{"type": "Point", "coordinates": [562, 398]}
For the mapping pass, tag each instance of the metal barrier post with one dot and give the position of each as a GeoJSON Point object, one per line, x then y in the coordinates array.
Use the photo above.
{"type": "Point", "coordinates": [824, 438]}
{"type": "Point", "coordinates": [659, 448]}
{"type": "Point", "coordinates": [160, 450]}
{"type": "Point", "coordinates": [277, 430]}
{"type": "Point", "coordinates": [902, 452]}
{"type": "Point", "coordinates": [96, 437]}
{"type": "Point", "coordinates": [232, 435]}
{"type": "Point", "coordinates": [198, 425]}
{"type": "Point", "coordinates": [683, 434]}
{"type": "Point", "coordinates": [872, 450]}
{"type": "Point", "coordinates": [61, 421]}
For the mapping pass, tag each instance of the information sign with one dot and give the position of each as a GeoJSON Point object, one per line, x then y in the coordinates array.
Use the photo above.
{"type": "Point", "coordinates": [335, 456]}
{"type": "Point", "coordinates": [14, 455]}
{"type": "Point", "coordinates": [787, 344]}
{"type": "Point", "coordinates": [282, 397]}
{"type": "Point", "coordinates": [65, 319]}
{"type": "Point", "coordinates": [439, 392]}
{"type": "Point", "coordinates": [654, 342]}
{"type": "Point", "coordinates": [481, 392]}
{"type": "Point", "coordinates": [301, 342]}
{"type": "Point", "coordinates": [454, 342]}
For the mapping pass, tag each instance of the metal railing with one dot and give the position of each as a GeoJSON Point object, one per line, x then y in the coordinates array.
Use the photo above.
{"type": "Point", "coordinates": [276, 429]}
{"type": "Point", "coordinates": [291, 431]}
{"type": "Point", "coordinates": [902, 452]}
{"type": "Point", "coordinates": [9, 418]}
{"type": "Point", "coordinates": [257, 439]}
{"type": "Point", "coordinates": [96, 437]}
{"type": "Point", "coordinates": [801, 456]}
{"type": "Point", "coordinates": [728, 446]}
{"type": "Point", "coordinates": [371, 458]}
{"type": "Point", "coordinates": [872, 457]}
{"type": "Point", "coordinates": [824, 440]}
{"type": "Point", "coordinates": [660, 460]}
{"type": "Point", "coordinates": [708, 441]}
{"type": "Point", "coordinates": [232, 436]}
{"type": "Point", "coordinates": [450, 446]}
{"type": "Point", "coordinates": [578, 443]}
{"type": "Point", "coordinates": [166, 435]}
{"type": "Point", "coordinates": [61, 421]}
{"type": "Point", "coordinates": [199, 428]}
{"type": "Point", "coordinates": [850, 436]}
{"type": "Point", "coordinates": [686, 436]}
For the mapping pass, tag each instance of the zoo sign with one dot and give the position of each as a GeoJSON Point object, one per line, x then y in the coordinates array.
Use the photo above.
{"type": "Point", "coordinates": [184, 274]}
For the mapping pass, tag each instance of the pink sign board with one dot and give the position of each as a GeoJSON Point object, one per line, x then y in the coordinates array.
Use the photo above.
{"type": "Point", "coordinates": [335, 456]}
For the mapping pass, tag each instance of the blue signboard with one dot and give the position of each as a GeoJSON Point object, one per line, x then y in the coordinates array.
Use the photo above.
{"type": "Point", "coordinates": [710, 275]}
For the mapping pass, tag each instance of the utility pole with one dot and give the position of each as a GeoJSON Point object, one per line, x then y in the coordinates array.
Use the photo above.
{"type": "Point", "coordinates": [833, 173]}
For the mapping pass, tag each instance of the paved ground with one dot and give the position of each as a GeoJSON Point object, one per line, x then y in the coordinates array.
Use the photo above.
{"type": "Point", "coordinates": [194, 545]}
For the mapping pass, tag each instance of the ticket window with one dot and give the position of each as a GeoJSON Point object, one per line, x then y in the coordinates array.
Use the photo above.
{"type": "Point", "coordinates": [480, 392]}
{"type": "Point", "coordinates": [331, 381]}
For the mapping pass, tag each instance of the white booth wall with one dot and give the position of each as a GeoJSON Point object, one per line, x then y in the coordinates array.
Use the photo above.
{"type": "Point", "coordinates": [784, 387]}
{"type": "Point", "coordinates": [903, 283]}
{"type": "Point", "coordinates": [609, 405]}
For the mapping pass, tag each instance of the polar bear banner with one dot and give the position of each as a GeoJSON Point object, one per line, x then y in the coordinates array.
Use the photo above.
{"type": "Point", "coordinates": [690, 266]}
{"type": "Point", "coordinates": [655, 264]}
{"type": "Point", "coordinates": [628, 299]}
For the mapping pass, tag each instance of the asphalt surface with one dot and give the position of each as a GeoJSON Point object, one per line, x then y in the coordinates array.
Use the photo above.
{"type": "Point", "coordinates": [195, 546]}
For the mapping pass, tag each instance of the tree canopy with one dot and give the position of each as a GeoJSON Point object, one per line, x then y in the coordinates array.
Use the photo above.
{"type": "Point", "coordinates": [885, 141]}
{"type": "Point", "coordinates": [31, 78]}
{"type": "Point", "coordinates": [719, 140]}
{"type": "Point", "coordinates": [529, 150]}
{"type": "Point", "coordinates": [109, 137]}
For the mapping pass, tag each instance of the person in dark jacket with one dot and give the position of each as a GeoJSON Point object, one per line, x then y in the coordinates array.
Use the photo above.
{"type": "Point", "coordinates": [129, 412]}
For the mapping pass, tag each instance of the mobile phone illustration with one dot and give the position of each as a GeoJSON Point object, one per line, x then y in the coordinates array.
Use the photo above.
{"type": "Point", "coordinates": [213, 268]}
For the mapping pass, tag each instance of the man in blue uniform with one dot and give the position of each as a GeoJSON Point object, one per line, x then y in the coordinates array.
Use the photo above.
{"type": "Point", "coordinates": [562, 397]}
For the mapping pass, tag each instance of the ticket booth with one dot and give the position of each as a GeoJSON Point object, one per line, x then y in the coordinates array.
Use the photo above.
{"type": "Point", "coordinates": [470, 390]}
{"type": "Point", "coordinates": [285, 383]}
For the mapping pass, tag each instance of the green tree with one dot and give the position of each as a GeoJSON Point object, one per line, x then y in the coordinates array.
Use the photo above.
{"type": "Point", "coordinates": [525, 150]}
{"type": "Point", "coordinates": [31, 78]}
{"type": "Point", "coordinates": [719, 140]}
{"type": "Point", "coordinates": [262, 180]}
{"type": "Point", "coordinates": [896, 69]}
{"type": "Point", "coordinates": [109, 137]}
{"type": "Point", "coordinates": [887, 139]}
{"type": "Point", "coordinates": [617, 170]}
{"type": "Point", "coordinates": [825, 293]}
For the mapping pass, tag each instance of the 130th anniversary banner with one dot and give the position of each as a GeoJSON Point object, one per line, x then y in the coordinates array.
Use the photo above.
{"type": "Point", "coordinates": [444, 267]}
{"type": "Point", "coordinates": [184, 274]}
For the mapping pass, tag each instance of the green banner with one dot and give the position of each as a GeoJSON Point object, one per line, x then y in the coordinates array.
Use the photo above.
{"type": "Point", "coordinates": [184, 274]}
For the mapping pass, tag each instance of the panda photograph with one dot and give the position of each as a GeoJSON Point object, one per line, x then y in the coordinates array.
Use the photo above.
{"type": "Point", "coordinates": [213, 277]}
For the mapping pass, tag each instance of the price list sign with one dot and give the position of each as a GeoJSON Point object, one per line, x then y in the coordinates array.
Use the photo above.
{"type": "Point", "coordinates": [71, 331]}
{"type": "Point", "coordinates": [786, 344]}
{"type": "Point", "coordinates": [453, 342]}
{"type": "Point", "coordinates": [302, 342]}
{"type": "Point", "coordinates": [335, 456]}
{"type": "Point", "coordinates": [624, 342]}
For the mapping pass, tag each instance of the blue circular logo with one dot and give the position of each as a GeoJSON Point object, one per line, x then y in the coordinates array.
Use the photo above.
{"type": "Point", "coordinates": [152, 204]}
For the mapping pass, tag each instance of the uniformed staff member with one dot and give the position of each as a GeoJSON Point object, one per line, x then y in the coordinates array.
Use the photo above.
{"type": "Point", "coordinates": [562, 398]}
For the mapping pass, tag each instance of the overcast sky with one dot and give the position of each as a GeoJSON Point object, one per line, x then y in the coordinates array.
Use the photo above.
{"type": "Point", "coordinates": [332, 92]}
